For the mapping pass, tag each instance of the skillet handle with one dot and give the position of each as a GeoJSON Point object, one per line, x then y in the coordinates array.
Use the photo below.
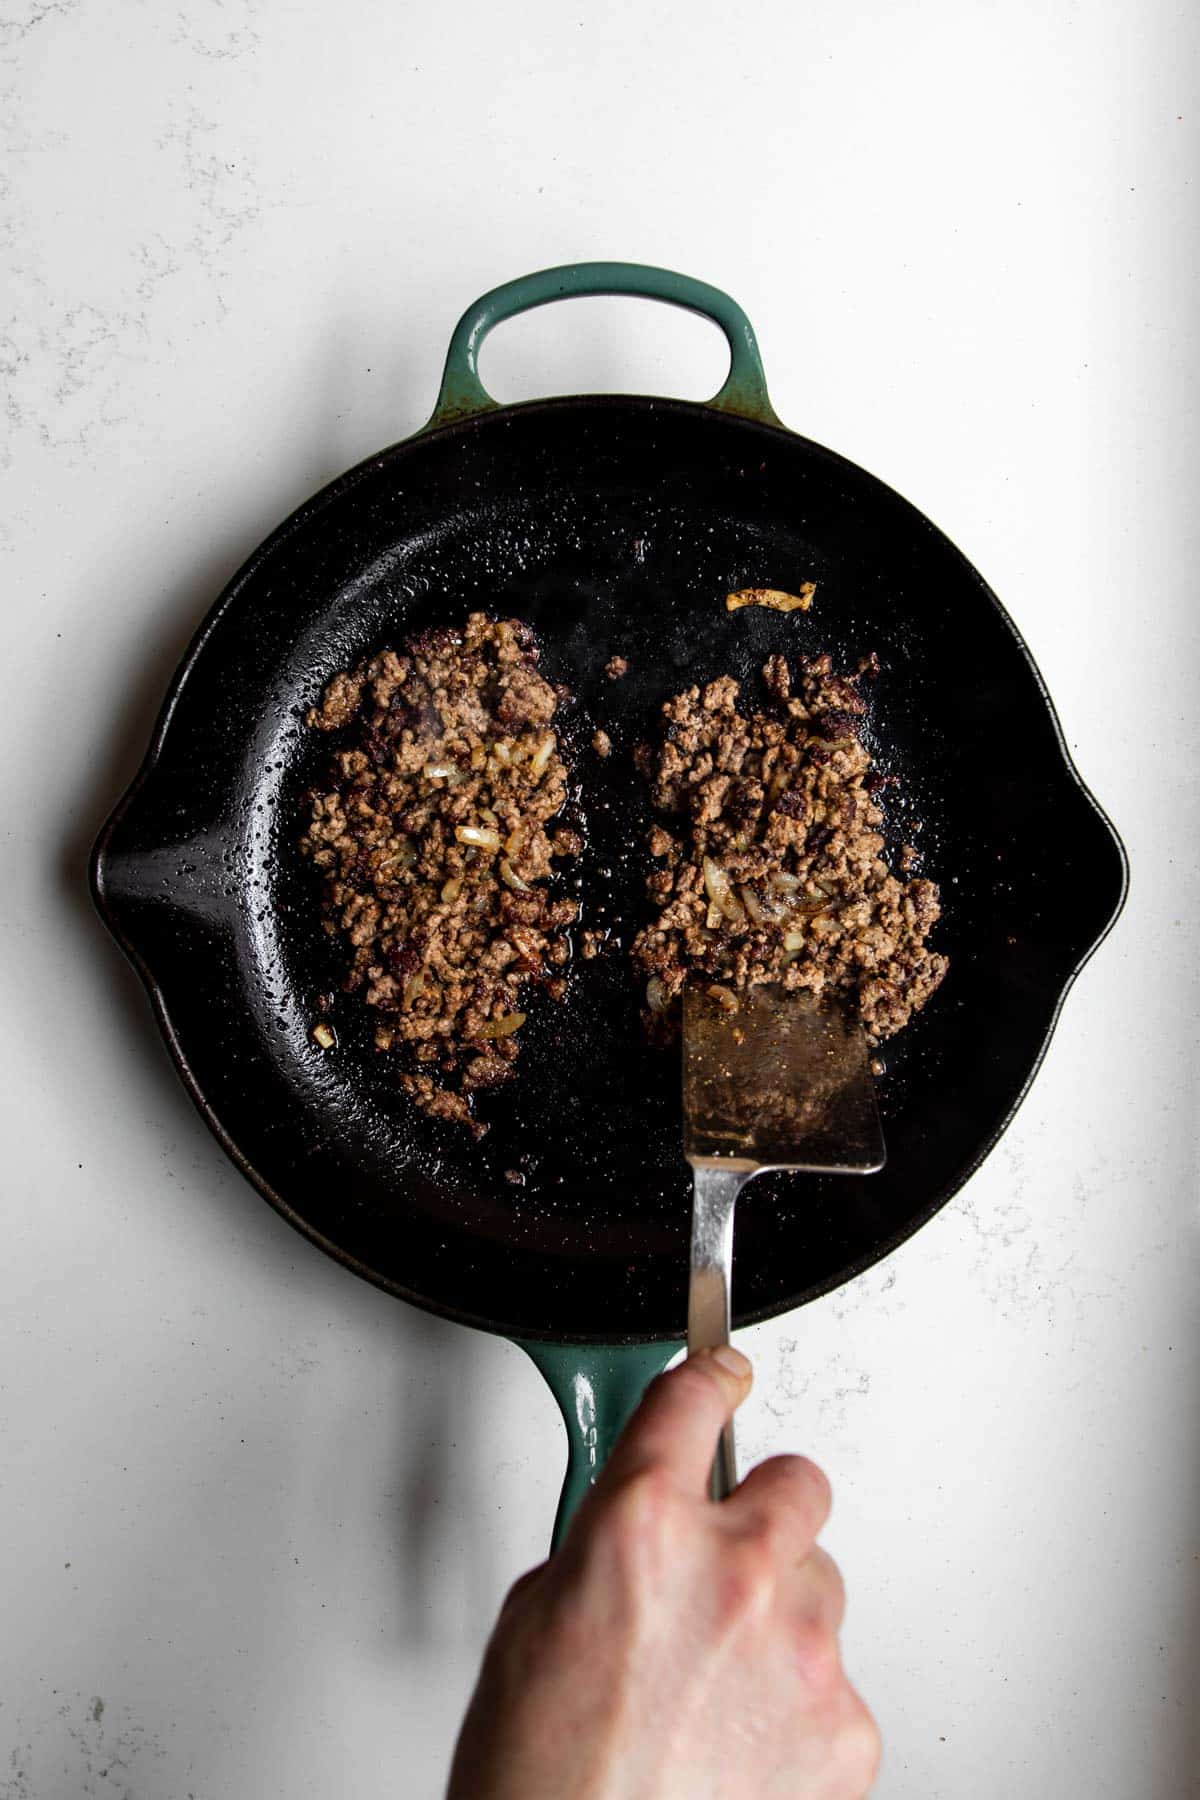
{"type": "Point", "coordinates": [463, 394]}
{"type": "Point", "coordinates": [597, 1387]}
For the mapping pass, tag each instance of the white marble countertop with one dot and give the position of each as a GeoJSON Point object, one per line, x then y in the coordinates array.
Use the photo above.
{"type": "Point", "coordinates": [255, 1517]}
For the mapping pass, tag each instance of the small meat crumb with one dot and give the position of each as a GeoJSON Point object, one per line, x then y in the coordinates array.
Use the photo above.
{"type": "Point", "coordinates": [601, 743]}
{"type": "Point", "coordinates": [616, 667]}
{"type": "Point", "coordinates": [778, 677]}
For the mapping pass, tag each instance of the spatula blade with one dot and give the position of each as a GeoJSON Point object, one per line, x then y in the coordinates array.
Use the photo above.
{"type": "Point", "coordinates": [779, 1084]}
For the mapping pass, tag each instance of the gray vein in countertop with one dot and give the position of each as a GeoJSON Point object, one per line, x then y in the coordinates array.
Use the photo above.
{"type": "Point", "coordinates": [1030, 1260]}
{"type": "Point", "coordinates": [20, 137]}
{"type": "Point", "coordinates": [214, 37]}
{"type": "Point", "coordinates": [66, 349]}
{"type": "Point", "coordinates": [876, 1289]}
{"type": "Point", "coordinates": [158, 259]}
{"type": "Point", "coordinates": [226, 187]}
{"type": "Point", "coordinates": [15, 30]}
{"type": "Point", "coordinates": [824, 1396]}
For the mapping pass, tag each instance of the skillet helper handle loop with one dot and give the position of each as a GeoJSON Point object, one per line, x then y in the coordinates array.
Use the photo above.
{"type": "Point", "coordinates": [463, 394]}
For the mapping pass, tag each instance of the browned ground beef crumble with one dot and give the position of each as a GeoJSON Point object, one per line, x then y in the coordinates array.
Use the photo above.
{"type": "Point", "coordinates": [771, 865]}
{"type": "Point", "coordinates": [436, 836]}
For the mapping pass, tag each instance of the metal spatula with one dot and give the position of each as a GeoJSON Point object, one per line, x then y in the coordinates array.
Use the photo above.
{"type": "Point", "coordinates": [778, 1084]}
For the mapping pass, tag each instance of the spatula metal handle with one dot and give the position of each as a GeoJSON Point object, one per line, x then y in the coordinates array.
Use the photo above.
{"type": "Point", "coordinates": [708, 1292]}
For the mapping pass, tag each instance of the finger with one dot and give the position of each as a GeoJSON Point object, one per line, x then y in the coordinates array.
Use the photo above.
{"type": "Point", "coordinates": [858, 1744]}
{"type": "Point", "coordinates": [679, 1420]}
{"type": "Point", "coordinates": [522, 1585]}
{"type": "Point", "coordinates": [825, 1580]}
{"type": "Point", "coordinates": [791, 1493]}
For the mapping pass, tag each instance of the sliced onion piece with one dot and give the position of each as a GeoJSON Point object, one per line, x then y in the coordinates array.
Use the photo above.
{"type": "Point", "coordinates": [502, 753]}
{"type": "Point", "coordinates": [812, 903]}
{"type": "Point", "coordinates": [543, 753]}
{"type": "Point", "coordinates": [793, 940]}
{"type": "Point", "coordinates": [452, 889]}
{"type": "Point", "coordinates": [716, 882]}
{"type": "Point", "coordinates": [482, 838]}
{"type": "Point", "coordinates": [443, 771]}
{"type": "Point", "coordinates": [498, 1028]}
{"type": "Point", "coordinates": [413, 986]}
{"type": "Point", "coordinates": [511, 879]}
{"type": "Point", "coordinates": [751, 903]}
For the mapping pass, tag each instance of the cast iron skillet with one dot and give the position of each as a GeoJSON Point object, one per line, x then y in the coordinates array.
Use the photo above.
{"type": "Point", "coordinates": [610, 525]}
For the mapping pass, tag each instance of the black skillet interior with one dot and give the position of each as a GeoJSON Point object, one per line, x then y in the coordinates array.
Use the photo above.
{"type": "Point", "coordinates": [611, 526]}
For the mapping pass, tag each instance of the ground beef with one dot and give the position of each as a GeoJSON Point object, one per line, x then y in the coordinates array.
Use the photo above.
{"type": "Point", "coordinates": [770, 857]}
{"type": "Point", "coordinates": [616, 668]}
{"type": "Point", "coordinates": [435, 835]}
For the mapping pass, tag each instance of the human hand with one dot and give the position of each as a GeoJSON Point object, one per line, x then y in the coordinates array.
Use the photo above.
{"type": "Point", "coordinates": [673, 1649]}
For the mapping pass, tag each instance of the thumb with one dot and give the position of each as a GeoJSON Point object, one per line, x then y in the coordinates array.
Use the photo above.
{"type": "Point", "coordinates": [679, 1420]}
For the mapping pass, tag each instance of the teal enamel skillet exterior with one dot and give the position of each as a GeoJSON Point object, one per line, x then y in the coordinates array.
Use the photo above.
{"type": "Point", "coordinates": [463, 394]}
{"type": "Point", "coordinates": [597, 1387]}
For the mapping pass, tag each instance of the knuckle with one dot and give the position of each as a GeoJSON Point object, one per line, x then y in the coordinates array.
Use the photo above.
{"type": "Point", "coordinates": [693, 1383]}
{"type": "Point", "coordinates": [637, 1524]}
{"type": "Point", "coordinates": [859, 1746]}
{"type": "Point", "coordinates": [794, 1484]}
{"type": "Point", "coordinates": [640, 1502]}
{"type": "Point", "coordinates": [519, 1590]}
{"type": "Point", "coordinates": [746, 1589]}
{"type": "Point", "coordinates": [817, 1657]}
{"type": "Point", "coordinates": [814, 1482]}
{"type": "Point", "coordinates": [829, 1583]}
